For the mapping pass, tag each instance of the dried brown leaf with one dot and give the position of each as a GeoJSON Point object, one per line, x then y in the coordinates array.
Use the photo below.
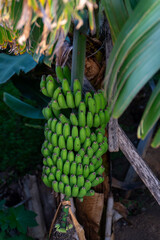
{"type": "Point", "coordinates": [120, 208]}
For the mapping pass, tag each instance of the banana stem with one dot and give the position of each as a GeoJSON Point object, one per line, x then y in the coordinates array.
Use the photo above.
{"type": "Point", "coordinates": [65, 210]}
{"type": "Point", "coordinates": [78, 56]}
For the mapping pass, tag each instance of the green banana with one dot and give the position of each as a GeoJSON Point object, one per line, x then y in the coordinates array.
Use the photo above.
{"type": "Point", "coordinates": [102, 117]}
{"type": "Point", "coordinates": [45, 162]}
{"type": "Point", "coordinates": [88, 131]}
{"type": "Point", "coordinates": [77, 98]}
{"type": "Point", "coordinates": [56, 150]}
{"type": "Point", "coordinates": [90, 193]}
{"type": "Point", "coordinates": [66, 130]}
{"type": "Point", "coordinates": [64, 154]}
{"type": "Point", "coordinates": [87, 95]}
{"type": "Point", "coordinates": [62, 101]}
{"type": "Point", "coordinates": [56, 93]}
{"type": "Point", "coordinates": [81, 152]}
{"type": "Point", "coordinates": [98, 163]}
{"type": "Point", "coordinates": [76, 86]}
{"type": "Point", "coordinates": [53, 125]}
{"type": "Point", "coordinates": [79, 169]}
{"type": "Point", "coordinates": [54, 158]}
{"type": "Point", "coordinates": [100, 129]}
{"type": "Point", "coordinates": [51, 177]}
{"type": "Point", "coordinates": [97, 102]}
{"type": "Point", "coordinates": [99, 137]}
{"type": "Point", "coordinates": [73, 168]}
{"type": "Point", "coordinates": [55, 186]}
{"type": "Point", "coordinates": [59, 73]}
{"type": "Point", "coordinates": [103, 100]}
{"type": "Point", "coordinates": [70, 100]}
{"type": "Point", "coordinates": [70, 143]}
{"type": "Point", "coordinates": [73, 180]}
{"type": "Point", "coordinates": [45, 180]}
{"type": "Point", "coordinates": [47, 170]}
{"type": "Point", "coordinates": [82, 135]}
{"type": "Point", "coordinates": [44, 91]}
{"type": "Point", "coordinates": [99, 152]}
{"type": "Point", "coordinates": [46, 152]}
{"type": "Point", "coordinates": [82, 107]}
{"type": "Point", "coordinates": [107, 116]}
{"type": "Point", "coordinates": [82, 192]}
{"type": "Point", "coordinates": [91, 167]}
{"type": "Point", "coordinates": [50, 86]}
{"type": "Point", "coordinates": [55, 105]}
{"type": "Point", "coordinates": [66, 167]}
{"type": "Point", "coordinates": [74, 132]}
{"type": "Point", "coordinates": [87, 185]}
{"type": "Point", "coordinates": [61, 187]}
{"type": "Point", "coordinates": [47, 113]}
{"type": "Point", "coordinates": [96, 121]}
{"type": "Point", "coordinates": [86, 171]}
{"type": "Point", "coordinates": [77, 144]}
{"type": "Point", "coordinates": [59, 128]}
{"type": "Point", "coordinates": [85, 160]}
{"type": "Point", "coordinates": [50, 147]}
{"type": "Point", "coordinates": [54, 139]}
{"type": "Point", "coordinates": [100, 170]}
{"type": "Point", "coordinates": [73, 119]}
{"type": "Point", "coordinates": [87, 143]}
{"type": "Point", "coordinates": [91, 176]}
{"type": "Point", "coordinates": [80, 181]}
{"type": "Point", "coordinates": [64, 119]}
{"type": "Point", "coordinates": [70, 156]}
{"type": "Point", "coordinates": [49, 123]}
{"type": "Point", "coordinates": [75, 190]}
{"type": "Point", "coordinates": [49, 135]}
{"type": "Point", "coordinates": [43, 81]}
{"type": "Point", "coordinates": [91, 105]}
{"type": "Point", "coordinates": [64, 179]}
{"type": "Point", "coordinates": [89, 119]}
{"type": "Point", "coordinates": [93, 137]}
{"type": "Point", "coordinates": [60, 164]}
{"type": "Point", "coordinates": [45, 144]}
{"type": "Point", "coordinates": [53, 170]}
{"type": "Point", "coordinates": [95, 146]}
{"type": "Point", "coordinates": [94, 160]}
{"type": "Point", "coordinates": [81, 119]}
{"type": "Point", "coordinates": [78, 158]}
{"type": "Point", "coordinates": [65, 86]}
{"type": "Point", "coordinates": [90, 152]}
{"type": "Point", "coordinates": [95, 182]}
{"type": "Point", "coordinates": [49, 161]}
{"type": "Point", "coordinates": [67, 73]}
{"type": "Point", "coordinates": [101, 179]}
{"type": "Point", "coordinates": [61, 142]}
{"type": "Point", "coordinates": [67, 190]}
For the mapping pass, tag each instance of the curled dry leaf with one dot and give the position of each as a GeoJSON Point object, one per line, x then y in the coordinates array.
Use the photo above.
{"type": "Point", "coordinates": [91, 68]}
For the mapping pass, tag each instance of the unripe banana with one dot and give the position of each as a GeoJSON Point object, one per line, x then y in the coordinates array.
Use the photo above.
{"type": "Point", "coordinates": [47, 170]}
{"type": "Point", "coordinates": [87, 95]}
{"type": "Point", "coordinates": [50, 147]}
{"type": "Point", "coordinates": [82, 192]}
{"type": "Point", "coordinates": [82, 135]}
{"type": "Point", "coordinates": [54, 139]}
{"type": "Point", "coordinates": [78, 158]}
{"type": "Point", "coordinates": [73, 119]}
{"type": "Point", "coordinates": [96, 121]}
{"type": "Point", "coordinates": [90, 152]}
{"type": "Point", "coordinates": [47, 113]}
{"type": "Point", "coordinates": [66, 167]}
{"type": "Point", "coordinates": [51, 177]}
{"type": "Point", "coordinates": [91, 105]}
{"type": "Point", "coordinates": [77, 144]}
{"type": "Point", "coordinates": [82, 107]}
{"type": "Point", "coordinates": [73, 168]}
{"type": "Point", "coordinates": [52, 124]}
{"type": "Point", "coordinates": [99, 137]}
{"type": "Point", "coordinates": [65, 86]}
{"type": "Point", "coordinates": [98, 163]}
{"type": "Point", "coordinates": [60, 164]}
{"type": "Point", "coordinates": [95, 146]}
{"type": "Point", "coordinates": [64, 179]}
{"type": "Point", "coordinates": [62, 101]}
{"type": "Point", "coordinates": [59, 128]}
{"type": "Point", "coordinates": [81, 152]}
{"type": "Point", "coordinates": [70, 156]}
{"type": "Point", "coordinates": [61, 142]}
{"type": "Point", "coordinates": [97, 102]}
{"type": "Point", "coordinates": [100, 129]}
{"type": "Point", "coordinates": [91, 167]}
{"type": "Point", "coordinates": [103, 100]}
{"type": "Point", "coordinates": [49, 135]}
{"type": "Point", "coordinates": [79, 169]}
{"type": "Point", "coordinates": [99, 153]}
{"type": "Point", "coordinates": [45, 180]}
{"type": "Point", "coordinates": [44, 91]}
{"type": "Point", "coordinates": [86, 171]}
{"type": "Point", "coordinates": [101, 179]}
{"type": "Point", "coordinates": [53, 170]}
{"type": "Point", "coordinates": [43, 81]}
{"type": "Point", "coordinates": [87, 143]}
{"type": "Point", "coordinates": [70, 143]}
{"type": "Point", "coordinates": [54, 158]}
{"type": "Point", "coordinates": [46, 152]}
{"type": "Point", "coordinates": [75, 190]}
{"type": "Point", "coordinates": [102, 117]}
{"type": "Point", "coordinates": [89, 119]}
{"type": "Point", "coordinates": [94, 160]}
{"type": "Point", "coordinates": [70, 100]}
{"type": "Point", "coordinates": [93, 137]}
{"type": "Point", "coordinates": [90, 193]}
{"type": "Point", "coordinates": [67, 190]}
{"type": "Point", "coordinates": [87, 185]}
{"type": "Point", "coordinates": [74, 132]}
{"type": "Point", "coordinates": [67, 73]}
{"type": "Point", "coordinates": [78, 98]}
{"type": "Point", "coordinates": [45, 162]}
{"type": "Point", "coordinates": [95, 182]}
{"type": "Point", "coordinates": [73, 180]}
{"type": "Point", "coordinates": [64, 119]}
{"type": "Point", "coordinates": [66, 130]}
{"type": "Point", "coordinates": [49, 161]}
{"type": "Point", "coordinates": [88, 131]}
{"type": "Point", "coordinates": [49, 123]}
{"type": "Point", "coordinates": [56, 93]}
{"type": "Point", "coordinates": [64, 154]}
{"type": "Point", "coordinates": [85, 160]}
{"type": "Point", "coordinates": [46, 132]}
{"type": "Point", "coordinates": [80, 181]}
{"type": "Point", "coordinates": [56, 150]}
{"type": "Point", "coordinates": [76, 86]}
{"type": "Point", "coordinates": [61, 187]}
{"type": "Point", "coordinates": [91, 176]}
{"type": "Point", "coordinates": [55, 105]}
{"type": "Point", "coordinates": [55, 186]}
{"type": "Point", "coordinates": [50, 86]}
{"type": "Point", "coordinates": [81, 119]}
{"type": "Point", "coordinates": [59, 73]}
{"type": "Point", "coordinates": [107, 116]}
{"type": "Point", "coordinates": [100, 170]}
{"type": "Point", "coordinates": [45, 144]}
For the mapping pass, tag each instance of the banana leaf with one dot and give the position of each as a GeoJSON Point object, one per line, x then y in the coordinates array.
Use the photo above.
{"type": "Point", "coordinates": [156, 140]}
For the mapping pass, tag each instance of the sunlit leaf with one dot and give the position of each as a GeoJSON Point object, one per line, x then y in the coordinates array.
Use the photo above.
{"type": "Point", "coordinates": [156, 140]}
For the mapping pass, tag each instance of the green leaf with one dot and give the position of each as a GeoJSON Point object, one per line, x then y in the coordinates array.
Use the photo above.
{"type": "Point", "coordinates": [21, 219]}
{"type": "Point", "coordinates": [22, 108]}
{"type": "Point", "coordinates": [156, 140]}
{"type": "Point", "coordinates": [9, 65]}
{"type": "Point", "coordinates": [151, 113]}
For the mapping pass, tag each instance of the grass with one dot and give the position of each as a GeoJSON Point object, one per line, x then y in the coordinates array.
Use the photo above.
{"type": "Point", "coordinates": [20, 143]}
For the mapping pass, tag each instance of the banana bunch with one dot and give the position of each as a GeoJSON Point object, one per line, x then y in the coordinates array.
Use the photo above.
{"type": "Point", "coordinates": [74, 136]}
